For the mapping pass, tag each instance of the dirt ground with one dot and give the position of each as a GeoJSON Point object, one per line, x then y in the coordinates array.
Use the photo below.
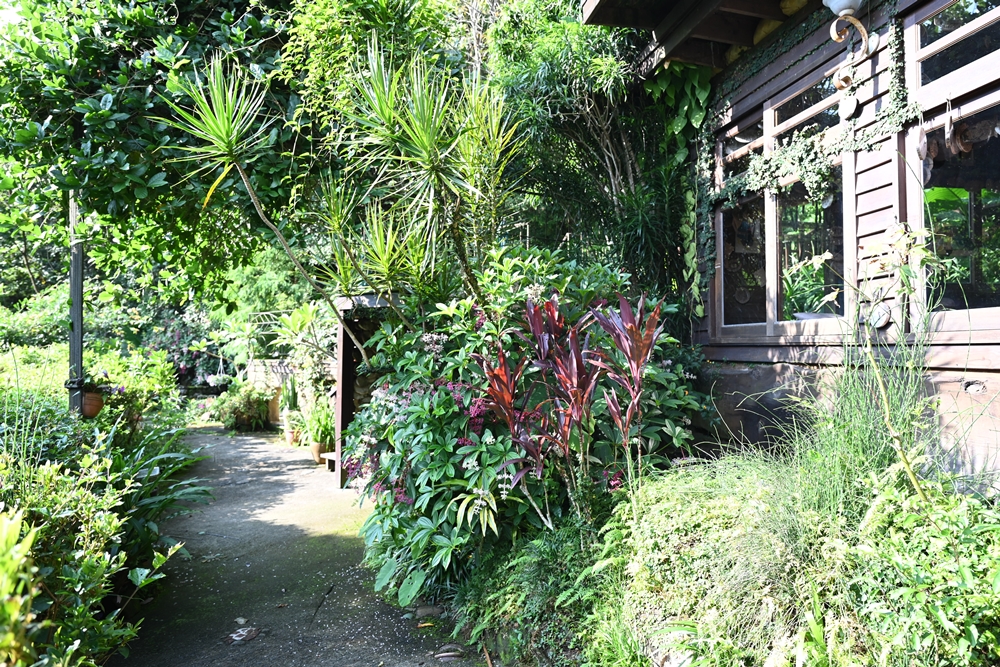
{"type": "Point", "coordinates": [277, 551]}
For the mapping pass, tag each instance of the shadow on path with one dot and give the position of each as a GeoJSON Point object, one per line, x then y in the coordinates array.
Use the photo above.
{"type": "Point", "coordinates": [279, 549]}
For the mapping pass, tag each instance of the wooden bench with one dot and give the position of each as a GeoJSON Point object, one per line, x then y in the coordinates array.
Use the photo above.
{"type": "Point", "coordinates": [331, 460]}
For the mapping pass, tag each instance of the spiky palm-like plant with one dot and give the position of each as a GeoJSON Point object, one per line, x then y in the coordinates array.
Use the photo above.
{"type": "Point", "coordinates": [227, 119]}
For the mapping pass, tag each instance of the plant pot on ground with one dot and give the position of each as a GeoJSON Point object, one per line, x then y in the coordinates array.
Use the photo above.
{"type": "Point", "coordinates": [321, 427]}
{"type": "Point", "coordinates": [293, 423]}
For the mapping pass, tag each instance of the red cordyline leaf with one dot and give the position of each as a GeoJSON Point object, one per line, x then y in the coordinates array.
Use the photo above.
{"type": "Point", "coordinates": [560, 352]}
{"type": "Point", "coordinates": [501, 386]}
{"type": "Point", "coordinates": [633, 334]}
{"type": "Point", "coordinates": [616, 412]}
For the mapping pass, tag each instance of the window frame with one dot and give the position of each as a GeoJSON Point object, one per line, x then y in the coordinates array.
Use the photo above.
{"type": "Point", "coordinates": [987, 320]}
{"type": "Point", "coordinates": [773, 329]}
{"type": "Point", "coordinates": [970, 89]}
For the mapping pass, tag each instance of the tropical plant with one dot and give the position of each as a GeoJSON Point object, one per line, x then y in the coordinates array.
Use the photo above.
{"type": "Point", "coordinates": [18, 589]}
{"type": "Point", "coordinates": [226, 120]}
{"type": "Point", "coordinates": [321, 423]}
{"type": "Point", "coordinates": [487, 429]}
{"type": "Point", "coordinates": [243, 407]}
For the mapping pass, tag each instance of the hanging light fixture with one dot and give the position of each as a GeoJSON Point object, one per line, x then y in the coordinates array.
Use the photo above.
{"type": "Point", "coordinates": [845, 11]}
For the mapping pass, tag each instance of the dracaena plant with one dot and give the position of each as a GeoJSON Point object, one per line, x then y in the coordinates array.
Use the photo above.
{"type": "Point", "coordinates": [227, 119]}
{"type": "Point", "coordinates": [570, 378]}
{"type": "Point", "coordinates": [634, 334]}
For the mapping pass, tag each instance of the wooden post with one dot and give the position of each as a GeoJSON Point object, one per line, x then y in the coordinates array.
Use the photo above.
{"type": "Point", "coordinates": [77, 258]}
{"type": "Point", "coordinates": [347, 363]}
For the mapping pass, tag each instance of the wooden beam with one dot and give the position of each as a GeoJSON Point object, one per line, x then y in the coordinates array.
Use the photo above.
{"type": "Point", "coordinates": [726, 28]}
{"type": "Point", "coordinates": [681, 20]}
{"type": "Point", "coordinates": [754, 8]}
{"type": "Point", "coordinates": [701, 52]}
{"type": "Point", "coordinates": [77, 264]}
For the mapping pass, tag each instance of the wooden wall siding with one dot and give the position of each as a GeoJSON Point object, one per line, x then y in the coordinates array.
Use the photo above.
{"type": "Point", "coordinates": [823, 351]}
{"type": "Point", "coordinates": [816, 56]}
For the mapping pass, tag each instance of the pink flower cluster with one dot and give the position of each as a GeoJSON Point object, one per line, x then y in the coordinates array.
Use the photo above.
{"type": "Point", "coordinates": [477, 414]}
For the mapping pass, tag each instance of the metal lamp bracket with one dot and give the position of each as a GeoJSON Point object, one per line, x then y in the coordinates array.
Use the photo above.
{"type": "Point", "coordinates": [843, 78]}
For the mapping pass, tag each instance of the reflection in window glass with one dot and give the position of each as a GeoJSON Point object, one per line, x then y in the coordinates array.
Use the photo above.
{"type": "Point", "coordinates": [805, 99]}
{"type": "Point", "coordinates": [740, 164]}
{"type": "Point", "coordinates": [952, 18]}
{"type": "Point", "coordinates": [811, 254]}
{"type": "Point", "coordinates": [969, 50]}
{"type": "Point", "coordinates": [734, 143]}
{"type": "Point", "coordinates": [743, 264]}
{"type": "Point", "coordinates": [962, 199]}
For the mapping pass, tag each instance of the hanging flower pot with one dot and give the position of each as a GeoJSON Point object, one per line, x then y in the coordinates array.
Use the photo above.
{"type": "Point", "coordinates": [93, 403]}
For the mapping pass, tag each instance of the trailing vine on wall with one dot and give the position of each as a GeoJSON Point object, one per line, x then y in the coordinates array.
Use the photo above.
{"type": "Point", "coordinates": [809, 153]}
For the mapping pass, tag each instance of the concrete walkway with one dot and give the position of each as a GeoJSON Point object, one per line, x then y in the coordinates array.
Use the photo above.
{"type": "Point", "coordinates": [277, 551]}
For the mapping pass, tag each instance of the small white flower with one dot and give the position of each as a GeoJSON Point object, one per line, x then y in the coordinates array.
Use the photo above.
{"type": "Point", "coordinates": [534, 293]}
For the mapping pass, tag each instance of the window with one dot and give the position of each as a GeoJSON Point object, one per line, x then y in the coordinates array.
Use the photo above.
{"type": "Point", "coordinates": [781, 252]}
{"type": "Point", "coordinates": [961, 175]}
{"type": "Point", "coordinates": [811, 254]}
{"type": "Point", "coordinates": [953, 47]}
{"type": "Point", "coordinates": [744, 276]}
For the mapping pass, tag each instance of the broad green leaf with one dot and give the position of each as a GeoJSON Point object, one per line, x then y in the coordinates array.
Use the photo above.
{"type": "Point", "coordinates": [411, 586]}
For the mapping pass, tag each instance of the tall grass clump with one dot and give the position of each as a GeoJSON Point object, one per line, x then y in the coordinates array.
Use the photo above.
{"type": "Point", "coordinates": [739, 559]}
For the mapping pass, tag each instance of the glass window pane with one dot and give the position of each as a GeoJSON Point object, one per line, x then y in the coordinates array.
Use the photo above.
{"type": "Point", "coordinates": [823, 120]}
{"type": "Point", "coordinates": [740, 164]}
{"type": "Point", "coordinates": [811, 254]}
{"type": "Point", "coordinates": [962, 199]}
{"type": "Point", "coordinates": [743, 264]}
{"type": "Point", "coordinates": [734, 143]}
{"type": "Point", "coordinates": [805, 99]}
{"type": "Point", "coordinates": [969, 50]}
{"type": "Point", "coordinates": [952, 18]}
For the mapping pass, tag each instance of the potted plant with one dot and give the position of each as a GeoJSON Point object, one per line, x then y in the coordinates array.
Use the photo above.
{"type": "Point", "coordinates": [93, 397]}
{"type": "Point", "coordinates": [294, 422]}
{"type": "Point", "coordinates": [321, 427]}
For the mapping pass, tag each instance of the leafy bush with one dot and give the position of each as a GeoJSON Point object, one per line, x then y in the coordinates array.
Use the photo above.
{"type": "Point", "coordinates": [17, 591]}
{"type": "Point", "coordinates": [95, 507]}
{"type": "Point", "coordinates": [41, 320]}
{"type": "Point", "coordinates": [452, 472]}
{"type": "Point", "coordinates": [243, 407]}
{"type": "Point", "coordinates": [925, 580]}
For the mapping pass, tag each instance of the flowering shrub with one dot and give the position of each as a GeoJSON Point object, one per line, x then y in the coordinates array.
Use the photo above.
{"type": "Point", "coordinates": [448, 474]}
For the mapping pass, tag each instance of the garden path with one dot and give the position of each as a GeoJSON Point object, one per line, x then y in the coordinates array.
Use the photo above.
{"type": "Point", "coordinates": [279, 550]}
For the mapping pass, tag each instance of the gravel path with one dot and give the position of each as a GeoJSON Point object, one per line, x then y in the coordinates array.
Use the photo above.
{"type": "Point", "coordinates": [277, 551]}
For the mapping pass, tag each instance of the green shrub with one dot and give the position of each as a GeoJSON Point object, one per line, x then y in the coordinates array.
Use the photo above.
{"type": "Point", "coordinates": [447, 479]}
{"type": "Point", "coordinates": [243, 407]}
{"type": "Point", "coordinates": [17, 591]}
{"type": "Point", "coordinates": [531, 601]}
{"type": "Point", "coordinates": [41, 320]}
{"type": "Point", "coordinates": [925, 579]}
{"type": "Point", "coordinates": [95, 508]}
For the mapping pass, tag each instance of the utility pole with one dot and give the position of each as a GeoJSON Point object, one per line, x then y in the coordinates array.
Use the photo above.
{"type": "Point", "coordinates": [77, 257]}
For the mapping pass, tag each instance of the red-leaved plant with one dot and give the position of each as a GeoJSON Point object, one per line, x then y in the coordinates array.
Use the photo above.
{"type": "Point", "coordinates": [635, 336]}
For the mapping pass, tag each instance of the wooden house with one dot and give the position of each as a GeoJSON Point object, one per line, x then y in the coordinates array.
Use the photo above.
{"type": "Point", "coordinates": [828, 169]}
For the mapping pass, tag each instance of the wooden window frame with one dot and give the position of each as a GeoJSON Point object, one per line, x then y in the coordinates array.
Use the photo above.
{"type": "Point", "coordinates": [954, 85]}
{"type": "Point", "coordinates": [970, 90]}
{"type": "Point", "coordinates": [772, 330]}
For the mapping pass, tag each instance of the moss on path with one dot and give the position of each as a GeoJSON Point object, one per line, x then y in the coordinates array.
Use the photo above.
{"type": "Point", "coordinates": [278, 547]}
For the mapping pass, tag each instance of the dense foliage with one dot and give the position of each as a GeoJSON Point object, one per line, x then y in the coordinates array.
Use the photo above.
{"type": "Point", "coordinates": [95, 495]}
{"type": "Point", "coordinates": [451, 476]}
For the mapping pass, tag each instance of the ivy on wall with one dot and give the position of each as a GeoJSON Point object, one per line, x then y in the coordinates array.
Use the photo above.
{"type": "Point", "coordinates": [809, 153]}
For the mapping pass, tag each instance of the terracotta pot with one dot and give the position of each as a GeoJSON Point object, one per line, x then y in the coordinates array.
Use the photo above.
{"type": "Point", "coordinates": [92, 404]}
{"type": "Point", "coordinates": [292, 437]}
{"type": "Point", "coordinates": [317, 448]}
